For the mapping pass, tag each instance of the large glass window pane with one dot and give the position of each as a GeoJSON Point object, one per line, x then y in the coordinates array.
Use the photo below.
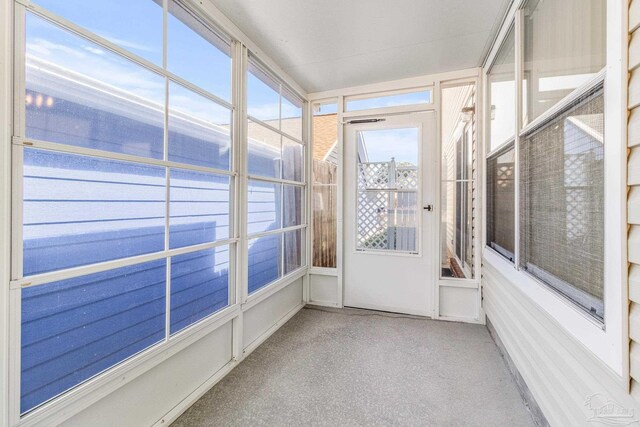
{"type": "Point", "coordinates": [501, 85]}
{"type": "Point", "coordinates": [562, 203]}
{"type": "Point", "coordinates": [76, 328]}
{"type": "Point", "coordinates": [292, 160]}
{"type": "Point", "coordinates": [265, 151]}
{"type": "Point", "coordinates": [196, 53]}
{"type": "Point", "coordinates": [501, 202]}
{"type": "Point", "coordinates": [387, 189]}
{"type": "Point", "coordinates": [199, 209]}
{"type": "Point", "coordinates": [381, 101]}
{"type": "Point", "coordinates": [325, 188]}
{"type": "Point", "coordinates": [263, 96]}
{"type": "Point", "coordinates": [457, 258]}
{"type": "Point", "coordinates": [292, 206]}
{"type": "Point", "coordinates": [265, 206]}
{"type": "Point", "coordinates": [133, 25]}
{"type": "Point", "coordinates": [79, 210]}
{"type": "Point", "coordinates": [78, 93]}
{"type": "Point", "coordinates": [265, 261]}
{"type": "Point", "coordinates": [199, 129]}
{"type": "Point", "coordinates": [293, 251]}
{"type": "Point", "coordinates": [291, 122]}
{"type": "Point", "coordinates": [199, 285]}
{"type": "Point", "coordinates": [564, 47]}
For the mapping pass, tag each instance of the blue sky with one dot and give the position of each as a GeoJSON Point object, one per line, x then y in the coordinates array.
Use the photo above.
{"type": "Point", "coordinates": [383, 144]}
{"type": "Point", "coordinates": [137, 27]}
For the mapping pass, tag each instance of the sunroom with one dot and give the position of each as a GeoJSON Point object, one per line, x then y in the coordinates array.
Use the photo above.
{"type": "Point", "coordinates": [223, 212]}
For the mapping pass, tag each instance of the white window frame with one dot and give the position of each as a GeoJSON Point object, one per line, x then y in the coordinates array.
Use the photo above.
{"type": "Point", "coordinates": [19, 282]}
{"type": "Point", "coordinates": [326, 271]}
{"type": "Point", "coordinates": [88, 392]}
{"type": "Point", "coordinates": [607, 341]}
{"type": "Point", "coordinates": [270, 288]}
{"type": "Point", "coordinates": [388, 93]}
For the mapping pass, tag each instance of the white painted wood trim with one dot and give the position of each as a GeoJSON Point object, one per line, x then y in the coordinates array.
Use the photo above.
{"type": "Point", "coordinates": [634, 50]}
{"type": "Point", "coordinates": [179, 409]}
{"type": "Point", "coordinates": [212, 12]}
{"type": "Point", "coordinates": [394, 85]}
{"type": "Point", "coordinates": [6, 114]}
{"type": "Point", "coordinates": [634, 283]}
{"type": "Point", "coordinates": [634, 244]}
{"type": "Point", "coordinates": [634, 89]}
{"type": "Point", "coordinates": [633, 206]}
{"type": "Point", "coordinates": [634, 128]}
{"type": "Point", "coordinates": [634, 167]}
{"type": "Point", "coordinates": [634, 15]}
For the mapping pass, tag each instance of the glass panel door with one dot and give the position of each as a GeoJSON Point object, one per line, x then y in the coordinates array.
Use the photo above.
{"type": "Point", "coordinates": [387, 189]}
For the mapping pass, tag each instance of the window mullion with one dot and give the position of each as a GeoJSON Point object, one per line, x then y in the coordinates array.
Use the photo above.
{"type": "Point", "coordinates": [519, 81]}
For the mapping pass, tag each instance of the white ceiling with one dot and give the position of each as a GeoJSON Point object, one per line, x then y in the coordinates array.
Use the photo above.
{"type": "Point", "coordinates": [331, 44]}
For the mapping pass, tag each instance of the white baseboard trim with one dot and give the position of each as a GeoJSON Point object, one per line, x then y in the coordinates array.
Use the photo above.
{"type": "Point", "coordinates": [192, 398]}
{"type": "Point", "coordinates": [262, 338]}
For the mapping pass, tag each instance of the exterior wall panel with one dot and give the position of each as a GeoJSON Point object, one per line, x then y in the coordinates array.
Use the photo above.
{"type": "Point", "coordinates": [633, 204]}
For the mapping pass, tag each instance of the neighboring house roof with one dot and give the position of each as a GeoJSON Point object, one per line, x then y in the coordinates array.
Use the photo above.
{"type": "Point", "coordinates": [591, 124]}
{"type": "Point", "coordinates": [325, 136]}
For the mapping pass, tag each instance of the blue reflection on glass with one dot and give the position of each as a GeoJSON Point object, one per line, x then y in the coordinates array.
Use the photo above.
{"type": "Point", "coordinates": [81, 210]}
{"type": "Point", "coordinates": [76, 328]}
{"type": "Point", "coordinates": [265, 261]}
{"type": "Point", "coordinates": [199, 208]}
{"type": "Point", "coordinates": [81, 94]}
{"type": "Point", "coordinates": [199, 285]}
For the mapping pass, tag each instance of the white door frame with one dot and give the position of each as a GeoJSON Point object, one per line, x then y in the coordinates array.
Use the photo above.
{"type": "Point", "coordinates": [448, 286]}
{"type": "Point", "coordinates": [407, 294]}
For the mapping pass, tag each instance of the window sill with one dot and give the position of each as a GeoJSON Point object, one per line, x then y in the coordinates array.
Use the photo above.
{"type": "Point", "coordinates": [273, 287]}
{"type": "Point", "coordinates": [569, 318]}
{"type": "Point", "coordinates": [324, 271]}
{"type": "Point", "coordinates": [84, 395]}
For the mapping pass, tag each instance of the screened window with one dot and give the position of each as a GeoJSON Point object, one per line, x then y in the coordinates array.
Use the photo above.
{"type": "Point", "coordinates": [275, 190]}
{"type": "Point", "coordinates": [501, 87]}
{"type": "Point", "coordinates": [559, 157]}
{"type": "Point", "coordinates": [457, 258]}
{"type": "Point", "coordinates": [111, 169]}
{"type": "Point", "coordinates": [564, 47]}
{"type": "Point", "coordinates": [501, 202]}
{"type": "Point", "coordinates": [562, 203]}
{"type": "Point", "coordinates": [325, 184]}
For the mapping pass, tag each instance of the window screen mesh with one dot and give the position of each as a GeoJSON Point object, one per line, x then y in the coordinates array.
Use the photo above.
{"type": "Point", "coordinates": [501, 202]}
{"type": "Point", "coordinates": [562, 202]}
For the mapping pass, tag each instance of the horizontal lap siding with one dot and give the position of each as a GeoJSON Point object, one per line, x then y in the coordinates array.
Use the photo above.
{"type": "Point", "coordinates": [633, 207]}
{"type": "Point", "coordinates": [76, 328]}
{"type": "Point", "coordinates": [80, 210]}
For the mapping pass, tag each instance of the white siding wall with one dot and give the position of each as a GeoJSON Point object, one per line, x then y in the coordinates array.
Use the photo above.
{"type": "Point", "coordinates": [633, 213]}
{"type": "Point", "coordinates": [559, 371]}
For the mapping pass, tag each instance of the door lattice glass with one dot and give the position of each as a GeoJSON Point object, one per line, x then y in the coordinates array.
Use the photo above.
{"type": "Point", "coordinates": [387, 190]}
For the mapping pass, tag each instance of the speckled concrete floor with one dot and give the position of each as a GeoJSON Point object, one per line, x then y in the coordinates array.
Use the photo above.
{"type": "Point", "coordinates": [356, 368]}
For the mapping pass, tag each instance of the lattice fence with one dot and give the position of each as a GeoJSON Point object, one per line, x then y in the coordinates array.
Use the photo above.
{"type": "Point", "coordinates": [373, 175]}
{"type": "Point", "coordinates": [407, 177]}
{"type": "Point", "coordinates": [386, 216]}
